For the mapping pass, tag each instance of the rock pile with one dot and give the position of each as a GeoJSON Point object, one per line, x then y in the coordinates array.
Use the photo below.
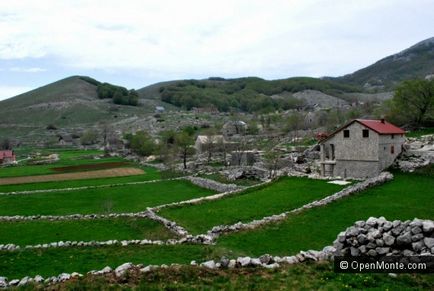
{"type": "Point", "coordinates": [379, 237]}
{"type": "Point", "coordinates": [419, 152]}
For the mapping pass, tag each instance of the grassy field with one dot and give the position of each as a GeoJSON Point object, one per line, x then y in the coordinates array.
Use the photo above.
{"type": "Point", "coordinates": [283, 195]}
{"type": "Point", "coordinates": [129, 198]}
{"type": "Point", "coordinates": [41, 231]}
{"type": "Point", "coordinates": [406, 197]}
{"type": "Point", "coordinates": [67, 158]}
{"type": "Point", "coordinates": [150, 174]}
{"type": "Point", "coordinates": [50, 262]}
{"type": "Point", "coordinates": [307, 276]}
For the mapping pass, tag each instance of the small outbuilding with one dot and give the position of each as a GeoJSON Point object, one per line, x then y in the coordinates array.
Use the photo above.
{"type": "Point", "coordinates": [7, 157]}
{"type": "Point", "coordinates": [361, 148]}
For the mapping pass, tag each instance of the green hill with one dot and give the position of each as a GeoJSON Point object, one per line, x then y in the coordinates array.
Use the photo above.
{"type": "Point", "coordinates": [414, 62]}
{"type": "Point", "coordinates": [249, 94]}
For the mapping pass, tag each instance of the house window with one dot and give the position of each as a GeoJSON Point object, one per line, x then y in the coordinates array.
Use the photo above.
{"type": "Point", "coordinates": [346, 133]}
{"type": "Point", "coordinates": [393, 136]}
{"type": "Point", "coordinates": [392, 150]}
{"type": "Point", "coordinates": [365, 133]}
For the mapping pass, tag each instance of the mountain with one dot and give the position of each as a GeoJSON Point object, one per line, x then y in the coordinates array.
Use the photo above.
{"type": "Point", "coordinates": [414, 62]}
{"type": "Point", "coordinates": [73, 103]}
{"type": "Point", "coordinates": [249, 94]}
{"type": "Point", "coordinates": [68, 103]}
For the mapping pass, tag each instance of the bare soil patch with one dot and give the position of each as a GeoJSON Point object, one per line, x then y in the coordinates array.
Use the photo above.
{"type": "Point", "coordinates": [118, 172]}
{"type": "Point", "coordinates": [91, 167]}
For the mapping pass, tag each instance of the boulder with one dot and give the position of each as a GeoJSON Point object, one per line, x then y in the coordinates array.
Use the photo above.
{"type": "Point", "coordinates": [209, 264]}
{"type": "Point", "coordinates": [429, 242]}
{"type": "Point", "coordinates": [404, 239]}
{"type": "Point", "coordinates": [428, 226]}
{"type": "Point", "coordinates": [243, 261]}
{"type": "Point", "coordinates": [3, 282]}
{"type": "Point", "coordinates": [266, 259]}
{"type": "Point", "coordinates": [119, 271]}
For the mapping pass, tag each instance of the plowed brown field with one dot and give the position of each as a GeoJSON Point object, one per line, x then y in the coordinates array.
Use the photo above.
{"type": "Point", "coordinates": [118, 172]}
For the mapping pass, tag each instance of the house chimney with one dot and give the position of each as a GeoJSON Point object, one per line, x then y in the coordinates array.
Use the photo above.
{"type": "Point", "coordinates": [382, 120]}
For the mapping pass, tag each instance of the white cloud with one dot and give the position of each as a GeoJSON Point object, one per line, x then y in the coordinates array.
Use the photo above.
{"type": "Point", "coordinates": [27, 70]}
{"type": "Point", "coordinates": [278, 38]}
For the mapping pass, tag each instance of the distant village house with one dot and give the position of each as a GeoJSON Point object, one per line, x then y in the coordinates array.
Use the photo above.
{"type": "Point", "coordinates": [361, 148]}
{"type": "Point", "coordinates": [7, 157]}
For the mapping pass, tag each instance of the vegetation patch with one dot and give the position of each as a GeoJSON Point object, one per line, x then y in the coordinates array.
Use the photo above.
{"type": "Point", "coordinates": [127, 198]}
{"type": "Point", "coordinates": [406, 197]}
{"type": "Point", "coordinates": [284, 195]}
{"type": "Point", "coordinates": [42, 231]}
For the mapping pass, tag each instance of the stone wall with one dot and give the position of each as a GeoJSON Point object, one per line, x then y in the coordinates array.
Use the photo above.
{"type": "Point", "coordinates": [379, 237]}
{"type": "Point", "coordinates": [212, 185]}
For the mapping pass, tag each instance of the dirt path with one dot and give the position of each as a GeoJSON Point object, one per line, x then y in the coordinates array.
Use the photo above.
{"type": "Point", "coordinates": [72, 176]}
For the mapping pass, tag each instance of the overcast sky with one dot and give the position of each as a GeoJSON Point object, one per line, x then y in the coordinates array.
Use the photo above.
{"type": "Point", "coordinates": [137, 43]}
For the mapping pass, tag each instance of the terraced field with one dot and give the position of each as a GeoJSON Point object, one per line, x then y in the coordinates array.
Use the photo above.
{"type": "Point", "coordinates": [407, 196]}
{"type": "Point", "coordinates": [283, 195]}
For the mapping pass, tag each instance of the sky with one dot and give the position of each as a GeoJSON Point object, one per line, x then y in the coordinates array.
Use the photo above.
{"type": "Point", "coordinates": [138, 43]}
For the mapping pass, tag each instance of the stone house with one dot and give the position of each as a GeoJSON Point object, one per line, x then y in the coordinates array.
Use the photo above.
{"type": "Point", "coordinates": [7, 157]}
{"type": "Point", "coordinates": [206, 142]}
{"type": "Point", "coordinates": [361, 148]}
{"type": "Point", "coordinates": [214, 143]}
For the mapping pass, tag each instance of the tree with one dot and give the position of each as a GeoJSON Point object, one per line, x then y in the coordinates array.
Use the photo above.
{"type": "Point", "coordinates": [89, 137]}
{"type": "Point", "coordinates": [271, 162]}
{"type": "Point", "coordinates": [183, 142]}
{"type": "Point", "coordinates": [5, 144]}
{"type": "Point", "coordinates": [141, 143]}
{"type": "Point", "coordinates": [413, 102]}
{"type": "Point", "coordinates": [133, 98]}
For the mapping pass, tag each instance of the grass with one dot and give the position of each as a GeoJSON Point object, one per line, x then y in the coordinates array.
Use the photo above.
{"type": "Point", "coordinates": [129, 198]}
{"type": "Point", "coordinates": [150, 174]}
{"type": "Point", "coordinates": [51, 262]}
{"type": "Point", "coordinates": [67, 157]}
{"type": "Point", "coordinates": [406, 197]}
{"type": "Point", "coordinates": [42, 231]}
{"type": "Point", "coordinates": [306, 276]}
{"type": "Point", "coordinates": [283, 195]}
{"type": "Point", "coordinates": [32, 170]}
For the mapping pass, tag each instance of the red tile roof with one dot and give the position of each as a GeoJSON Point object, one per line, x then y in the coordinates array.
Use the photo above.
{"type": "Point", "coordinates": [6, 154]}
{"type": "Point", "coordinates": [381, 126]}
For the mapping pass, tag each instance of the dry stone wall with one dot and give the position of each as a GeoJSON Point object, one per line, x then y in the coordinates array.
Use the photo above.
{"type": "Point", "coordinates": [380, 237]}
{"type": "Point", "coordinates": [213, 185]}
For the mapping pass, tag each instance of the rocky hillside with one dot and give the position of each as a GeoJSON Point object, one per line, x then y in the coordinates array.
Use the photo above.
{"type": "Point", "coordinates": [414, 62]}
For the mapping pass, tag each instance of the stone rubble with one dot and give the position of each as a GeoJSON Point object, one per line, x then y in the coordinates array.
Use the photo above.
{"type": "Point", "coordinates": [379, 237]}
